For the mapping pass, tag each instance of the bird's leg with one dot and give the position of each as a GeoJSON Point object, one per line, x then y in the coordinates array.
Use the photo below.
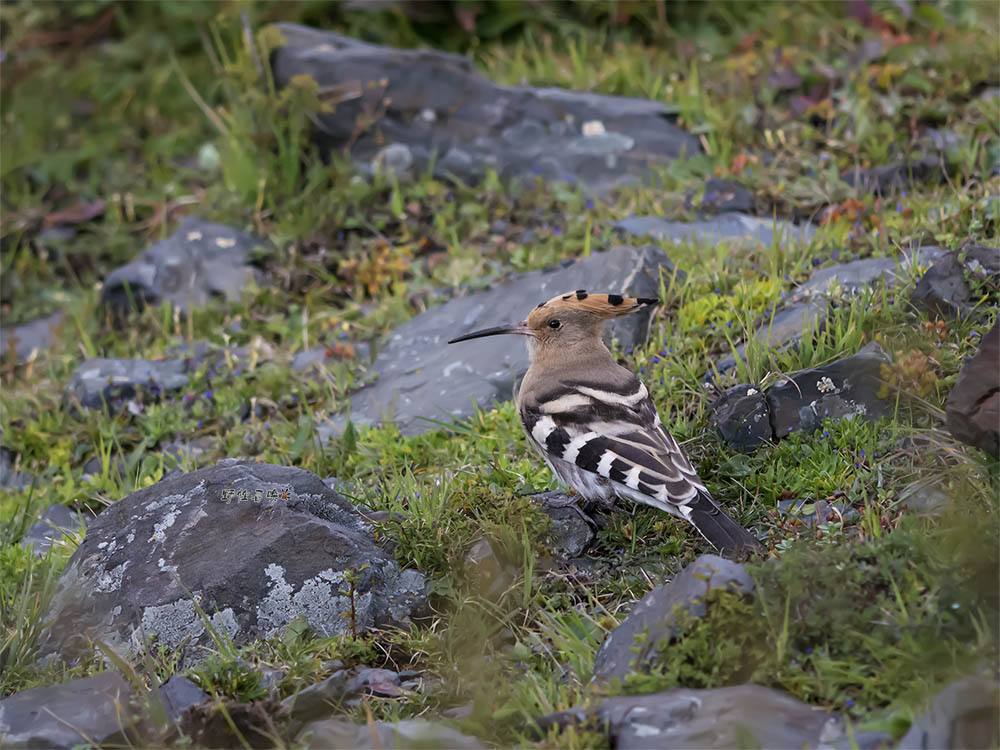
{"type": "Point", "coordinates": [569, 499]}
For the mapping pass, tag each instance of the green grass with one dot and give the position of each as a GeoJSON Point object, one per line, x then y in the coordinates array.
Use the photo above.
{"type": "Point", "coordinates": [347, 260]}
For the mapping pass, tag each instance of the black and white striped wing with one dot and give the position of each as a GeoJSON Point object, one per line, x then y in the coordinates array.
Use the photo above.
{"type": "Point", "coordinates": [615, 435]}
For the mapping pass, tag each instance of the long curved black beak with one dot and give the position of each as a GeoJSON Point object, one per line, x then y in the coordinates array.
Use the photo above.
{"type": "Point", "coordinates": [520, 329]}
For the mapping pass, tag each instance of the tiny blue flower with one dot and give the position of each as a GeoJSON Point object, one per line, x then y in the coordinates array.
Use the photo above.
{"type": "Point", "coordinates": [589, 204]}
{"type": "Point", "coordinates": [556, 230]}
{"type": "Point", "coordinates": [899, 208]}
{"type": "Point", "coordinates": [809, 650]}
{"type": "Point", "coordinates": [208, 393]}
{"type": "Point", "coordinates": [849, 703]}
{"type": "Point", "coordinates": [200, 424]}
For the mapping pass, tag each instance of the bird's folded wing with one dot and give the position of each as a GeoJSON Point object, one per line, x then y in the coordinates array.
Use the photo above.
{"type": "Point", "coordinates": [616, 435]}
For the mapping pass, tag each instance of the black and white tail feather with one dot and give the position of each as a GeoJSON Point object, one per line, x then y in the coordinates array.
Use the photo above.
{"type": "Point", "coordinates": [595, 424]}
{"type": "Point", "coordinates": [608, 443]}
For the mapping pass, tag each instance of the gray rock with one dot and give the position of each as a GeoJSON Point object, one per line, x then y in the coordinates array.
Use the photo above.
{"type": "Point", "coordinates": [491, 576]}
{"type": "Point", "coordinates": [785, 327]}
{"type": "Point", "coordinates": [111, 382]}
{"type": "Point", "coordinates": [306, 357]}
{"type": "Point", "coordinates": [926, 497]}
{"type": "Point", "coordinates": [726, 227]}
{"type": "Point", "coordinates": [657, 614]}
{"type": "Point", "coordinates": [27, 340]}
{"type": "Point", "coordinates": [179, 694]}
{"type": "Point", "coordinates": [179, 454]}
{"type": "Point", "coordinates": [271, 678]}
{"type": "Point", "coordinates": [570, 533]}
{"type": "Point", "coordinates": [323, 698]}
{"type": "Point", "coordinates": [320, 699]}
{"type": "Point", "coordinates": [95, 466]}
{"type": "Point", "coordinates": [199, 262]}
{"type": "Point", "coordinates": [56, 522]}
{"type": "Point", "coordinates": [407, 734]}
{"type": "Point", "coordinates": [374, 681]}
{"type": "Point", "coordinates": [395, 160]}
{"type": "Point", "coordinates": [813, 512]}
{"type": "Point", "coordinates": [846, 388]}
{"type": "Point", "coordinates": [857, 275]}
{"type": "Point", "coordinates": [722, 196]}
{"type": "Point", "coordinates": [898, 175]}
{"type": "Point", "coordinates": [943, 291]}
{"type": "Point", "coordinates": [742, 716]}
{"type": "Point", "coordinates": [741, 417]}
{"type": "Point", "coordinates": [88, 711]}
{"type": "Point", "coordinates": [963, 715]}
{"type": "Point", "coordinates": [422, 378]}
{"type": "Point", "coordinates": [146, 560]}
{"type": "Point", "coordinates": [972, 412]}
{"type": "Point", "coordinates": [808, 307]}
{"type": "Point", "coordinates": [437, 105]}
{"type": "Point", "coordinates": [9, 478]}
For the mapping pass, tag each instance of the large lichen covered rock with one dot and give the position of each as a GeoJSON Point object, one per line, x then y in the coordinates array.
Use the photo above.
{"type": "Point", "coordinates": [248, 547]}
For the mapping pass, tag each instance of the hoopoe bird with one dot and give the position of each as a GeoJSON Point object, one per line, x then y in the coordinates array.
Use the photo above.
{"type": "Point", "coordinates": [593, 421]}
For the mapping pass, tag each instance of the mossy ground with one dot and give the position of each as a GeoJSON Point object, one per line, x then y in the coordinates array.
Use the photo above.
{"type": "Point", "coordinates": [115, 102]}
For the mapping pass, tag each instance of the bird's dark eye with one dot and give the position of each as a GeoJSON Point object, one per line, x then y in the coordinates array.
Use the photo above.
{"type": "Point", "coordinates": [554, 324]}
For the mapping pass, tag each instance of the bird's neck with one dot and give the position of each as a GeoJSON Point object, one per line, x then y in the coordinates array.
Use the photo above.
{"type": "Point", "coordinates": [586, 354]}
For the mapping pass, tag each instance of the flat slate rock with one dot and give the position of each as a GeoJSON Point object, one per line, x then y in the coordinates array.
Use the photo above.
{"type": "Point", "coordinates": [56, 522]}
{"type": "Point", "coordinates": [848, 388]}
{"type": "Point", "coordinates": [571, 531]}
{"type": "Point", "coordinates": [430, 104]}
{"type": "Point", "coordinates": [657, 615]}
{"type": "Point", "coordinates": [28, 339]}
{"type": "Point", "coordinates": [723, 718]}
{"type": "Point", "coordinates": [808, 307]}
{"type": "Point", "coordinates": [91, 710]}
{"type": "Point", "coordinates": [725, 227]}
{"type": "Point", "coordinates": [406, 734]}
{"type": "Point", "coordinates": [178, 694]}
{"type": "Point", "coordinates": [112, 382]}
{"type": "Point", "coordinates": [9, 478]}
{"type": "Point", "coordinates": [898, 175]}
{"type": "Point", "coordinates": [148, 558]}
{"type": "Point", "coordinates": [944, 292]}
{"type": "Point", "coordinates": [966, 715]}
{"type": "Point", "coordinates": [972, 412]}
{"type": "Point", "coordinates": [200, 261]}
{"type": "Point", "coordinates": [422, 378]}
{"type": "Point", "coordinates": [845, 388]}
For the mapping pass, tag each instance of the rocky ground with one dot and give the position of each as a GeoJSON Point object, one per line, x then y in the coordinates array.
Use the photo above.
{"type": "Point", "coordinates": [251, 498]}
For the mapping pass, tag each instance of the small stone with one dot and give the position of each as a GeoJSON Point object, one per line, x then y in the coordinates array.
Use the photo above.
{"type": "Point", "coordinates": [656, 614]}
{"type": "Point", "coordinates": [88, 711]}
{"type": "Point", "coordinates": [179, 694]}
{"type": "Point", "coordinates": [199, 262]}
{"type": "Point", "coordinates": [571, 532]}
{"type": "Point", "coordinates": [393, 160]}
{"type": "Point", "coordinates": [973, 407]}
{"type": "Point", "coordinates": [56, 523]}
{"type": "Point", "coordinates": [742, 419]}
{"type": "Point", "coordinates": [963, 715]}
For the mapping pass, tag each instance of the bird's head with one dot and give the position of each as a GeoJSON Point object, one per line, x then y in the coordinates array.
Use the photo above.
{"type": "Point", "coordinates": [567, 320]}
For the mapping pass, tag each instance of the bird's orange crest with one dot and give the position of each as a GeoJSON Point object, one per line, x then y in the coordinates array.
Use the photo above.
{"type": "Point", "coordinates": [602, 305]}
